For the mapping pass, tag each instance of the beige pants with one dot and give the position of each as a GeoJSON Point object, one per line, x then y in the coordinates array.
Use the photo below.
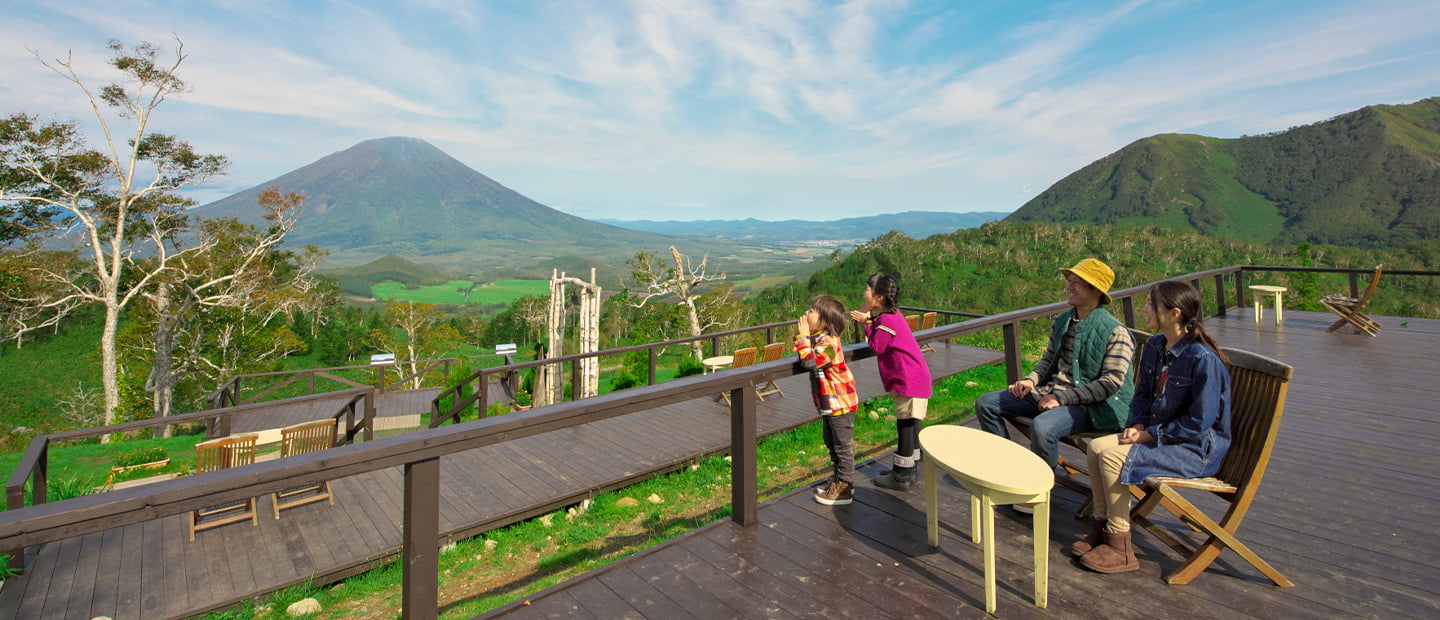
{"type": "Point", "coordinates": [1106, 458]}
{"type": "Point", "coordinates": [907, 407]}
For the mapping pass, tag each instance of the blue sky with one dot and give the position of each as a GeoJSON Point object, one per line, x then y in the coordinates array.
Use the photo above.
{"type": "Point", "coordinates": [692, 109]}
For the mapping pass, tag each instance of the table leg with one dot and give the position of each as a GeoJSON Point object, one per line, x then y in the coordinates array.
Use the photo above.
{"type": "Point", "coordinates": [932, 503]}
{"type": "Point", "coordinates": [988, 507]}
{"type": "Point", "coordinates": [1279, 314]}
{"type": "Point", "coordinates": [1042, 550]}
{"type": "Point", "coordinates": [1257, 307]}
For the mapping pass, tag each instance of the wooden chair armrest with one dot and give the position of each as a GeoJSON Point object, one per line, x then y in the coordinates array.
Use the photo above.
{"type": "Point", "coordinates": [1214, 485]}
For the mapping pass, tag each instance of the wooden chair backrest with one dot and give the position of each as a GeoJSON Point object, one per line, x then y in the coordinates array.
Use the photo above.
{"type": "Point", "coordinates": [743, 357]}
{"type": "Point", "coordinates": [225, 452]}
{"type": "Point", "coordinates": [307, 437]}
{"type": "Point", "coordinates": [1258, 385]}
{"type": "Point", "coordinates": [773, 351]}
{"type": "Point", "coordinates": [914, 322]}
{"type": "Point", "coordinates": [1370, 290]}
{"type": "Point", "coordinates": [927, 320]}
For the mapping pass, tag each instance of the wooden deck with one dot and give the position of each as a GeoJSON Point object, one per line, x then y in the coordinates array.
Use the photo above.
{"type": "Point", "coordinates": [1347, 511]}
{"type": "Point", "coordinates": [389, 408]}
{"type": "Point", "coordinates": [151, 570]}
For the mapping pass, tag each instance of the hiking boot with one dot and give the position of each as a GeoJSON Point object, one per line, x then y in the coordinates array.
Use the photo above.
{"type": "Point", "coordinates": [898, 479]}
{"type": "Point", "coordinates": [838, 493]}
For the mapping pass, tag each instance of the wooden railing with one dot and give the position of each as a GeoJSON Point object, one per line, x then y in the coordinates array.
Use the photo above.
{"type": "Point", "coordinates": [478, 383]}
{"type": "Point", "coordinates": [419, 452]}
{"type": "Point", "coordinates": [228, 393]}
{"type": "Point", "coordinates": [357, 413]}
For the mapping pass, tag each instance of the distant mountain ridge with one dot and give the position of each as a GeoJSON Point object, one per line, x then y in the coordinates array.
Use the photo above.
{"type": "Point", "coordinates": [1368, 178]}
{"type": "Point", "coordinates": [406, 197]}
{"type": "Point", "coordinates": [915, 224]}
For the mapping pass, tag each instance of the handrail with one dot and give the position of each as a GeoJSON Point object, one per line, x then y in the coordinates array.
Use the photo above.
{"type": "Point", "coordinates": [34, 465]}
{"type": "Point", "coordinates": [419, 454]}
{"type": "Point", "coordinates": [481, 379]}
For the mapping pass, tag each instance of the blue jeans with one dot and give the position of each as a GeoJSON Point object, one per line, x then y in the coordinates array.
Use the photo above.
{"type": "Point", "coordinates": [1046, 430]}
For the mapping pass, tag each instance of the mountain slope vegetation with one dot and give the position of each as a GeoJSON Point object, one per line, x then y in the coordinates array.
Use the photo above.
{"type": "Point", "coordinates": [1369, 178]}
{"type": "Point", "coordinates": [1003, 266]}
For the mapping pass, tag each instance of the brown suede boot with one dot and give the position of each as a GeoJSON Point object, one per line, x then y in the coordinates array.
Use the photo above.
{"type": "Point", "coordinates": [1115, 556]}
{"type": "Point", "coordinates": [1092, 540]}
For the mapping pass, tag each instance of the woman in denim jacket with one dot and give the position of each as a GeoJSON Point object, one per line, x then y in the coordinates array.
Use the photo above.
{"type": "Point", "coordinates": [1179, 423]}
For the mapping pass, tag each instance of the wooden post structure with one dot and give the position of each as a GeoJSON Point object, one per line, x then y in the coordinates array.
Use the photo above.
{"type": "Point", "coordinates": [552, 379]}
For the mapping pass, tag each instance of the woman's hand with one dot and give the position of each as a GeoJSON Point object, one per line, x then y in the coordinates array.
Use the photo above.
{"type": "Point", "coordinates": [1136, 434]}
{"type": "Point", "coordinates": [862, 317]}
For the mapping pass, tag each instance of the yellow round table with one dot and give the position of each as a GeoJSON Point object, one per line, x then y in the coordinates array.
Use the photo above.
{"type": "Point", "coordinates": [996, 471]}
{"type": "Point", "coordinates": [1260, 291]}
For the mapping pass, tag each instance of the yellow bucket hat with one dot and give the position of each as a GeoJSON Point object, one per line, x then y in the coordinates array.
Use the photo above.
{"type": "Point", "coordinates": [1096, 273]}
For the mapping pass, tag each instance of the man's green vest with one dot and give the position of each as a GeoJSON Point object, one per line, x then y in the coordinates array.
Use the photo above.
{"type": "Point", "coordinates": [1091, 335]}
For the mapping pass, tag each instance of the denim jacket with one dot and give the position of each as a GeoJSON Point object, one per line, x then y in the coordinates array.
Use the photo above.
{"type": "Point", "coordinates": [1190, 419]}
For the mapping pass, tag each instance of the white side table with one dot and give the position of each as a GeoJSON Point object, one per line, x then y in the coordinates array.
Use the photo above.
{"type": "Point", "coordinates": [713, 364]}
{"type": "Point", "coordinates": [996, 471]}
{"type": "Point", "coordinates": [1261, 290]}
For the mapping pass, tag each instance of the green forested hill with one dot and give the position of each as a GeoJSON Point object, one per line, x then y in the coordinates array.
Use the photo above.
{"type": "Point", "coordinates": [1369, 178]}
{"type": "Point", "coordinates": [1008, 265]}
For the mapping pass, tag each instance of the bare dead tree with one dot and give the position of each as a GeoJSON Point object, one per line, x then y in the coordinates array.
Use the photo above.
{"type": "Point", "coordinates": [681, 279]}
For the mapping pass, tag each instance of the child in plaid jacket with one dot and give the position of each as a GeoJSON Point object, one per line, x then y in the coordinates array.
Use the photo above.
{"type": "Point", "coordinates": [818, 343]}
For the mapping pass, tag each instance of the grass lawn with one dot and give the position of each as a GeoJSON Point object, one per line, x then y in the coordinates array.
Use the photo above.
{"type": "Point", "coordinates": [454, 292]}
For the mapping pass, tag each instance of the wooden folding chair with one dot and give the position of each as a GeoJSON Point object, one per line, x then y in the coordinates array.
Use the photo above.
{"type": "Point", "coordinates": [301, 439]}
{"type": "Point", "coordinates": [927, 321]}
{"type": "Point", "coordinates": [914, 322]}
{"type": "Point", "coordinates": [743, 357]}
{"type": "Point", "coordinates": [215, 455]}
{"type": "Point", "coordinates": [1257, 388]}
{"type": "Point", "coordinates": [773, 352]}
{"type": "Point", "coordinates": [1351, 310]}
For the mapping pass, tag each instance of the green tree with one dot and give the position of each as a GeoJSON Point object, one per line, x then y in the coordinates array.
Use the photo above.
{"type": "Point", "coordinates": [120, 201]}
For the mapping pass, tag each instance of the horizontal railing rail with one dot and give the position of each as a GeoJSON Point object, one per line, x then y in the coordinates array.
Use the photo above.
{"type": "Point", "coordinates": [479, 381]}
{"type": "Point", "coordinates": [419, 452]}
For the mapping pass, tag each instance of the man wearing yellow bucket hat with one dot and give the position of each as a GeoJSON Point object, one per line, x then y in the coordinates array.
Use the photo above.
{"type": "Point", "coordinates": [1082, 383]}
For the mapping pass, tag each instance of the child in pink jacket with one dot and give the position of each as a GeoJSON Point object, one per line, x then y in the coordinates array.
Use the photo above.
{"type": "Point", "coordinates": [903, 372]}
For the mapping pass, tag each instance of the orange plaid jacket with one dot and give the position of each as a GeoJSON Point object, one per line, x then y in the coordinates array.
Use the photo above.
{"type": "Point", "coordinates": [831, 383]}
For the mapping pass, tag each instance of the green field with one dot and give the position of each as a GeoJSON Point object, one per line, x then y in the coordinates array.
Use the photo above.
{"type": "Point", "coordinates": [453, 292]}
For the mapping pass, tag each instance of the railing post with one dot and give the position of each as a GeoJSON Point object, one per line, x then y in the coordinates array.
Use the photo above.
{"type": "Point", "coordinates": [744, 477]}
{"type": "Point", "coordinates": [769, 335]}
{"type": "Point", "coordinates": [420, 590]}
{"type": "Point", "coordinates": [370, 415]}
{"type": "Point", "coordinates": [1240, 288]}
{"type": "Point", "coordinates": [1129, 304]}
{"type": "Point", "coordinates": [652, 366]}
{"type": "Point", "coordinates": [1012, 352]}
{"type": "Point", "coordinates": [311, 376]}
{"type": "Point", "coordinates": [575, 380]}
{"type": "Point", "coordinates": [1220, 294]}
{"type": "Point", "coordinates": [714, 347]}
{"type": "Point", "coordinates": [484, 401]}
{"type": "Point", "coordinates": [1354, 284]}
